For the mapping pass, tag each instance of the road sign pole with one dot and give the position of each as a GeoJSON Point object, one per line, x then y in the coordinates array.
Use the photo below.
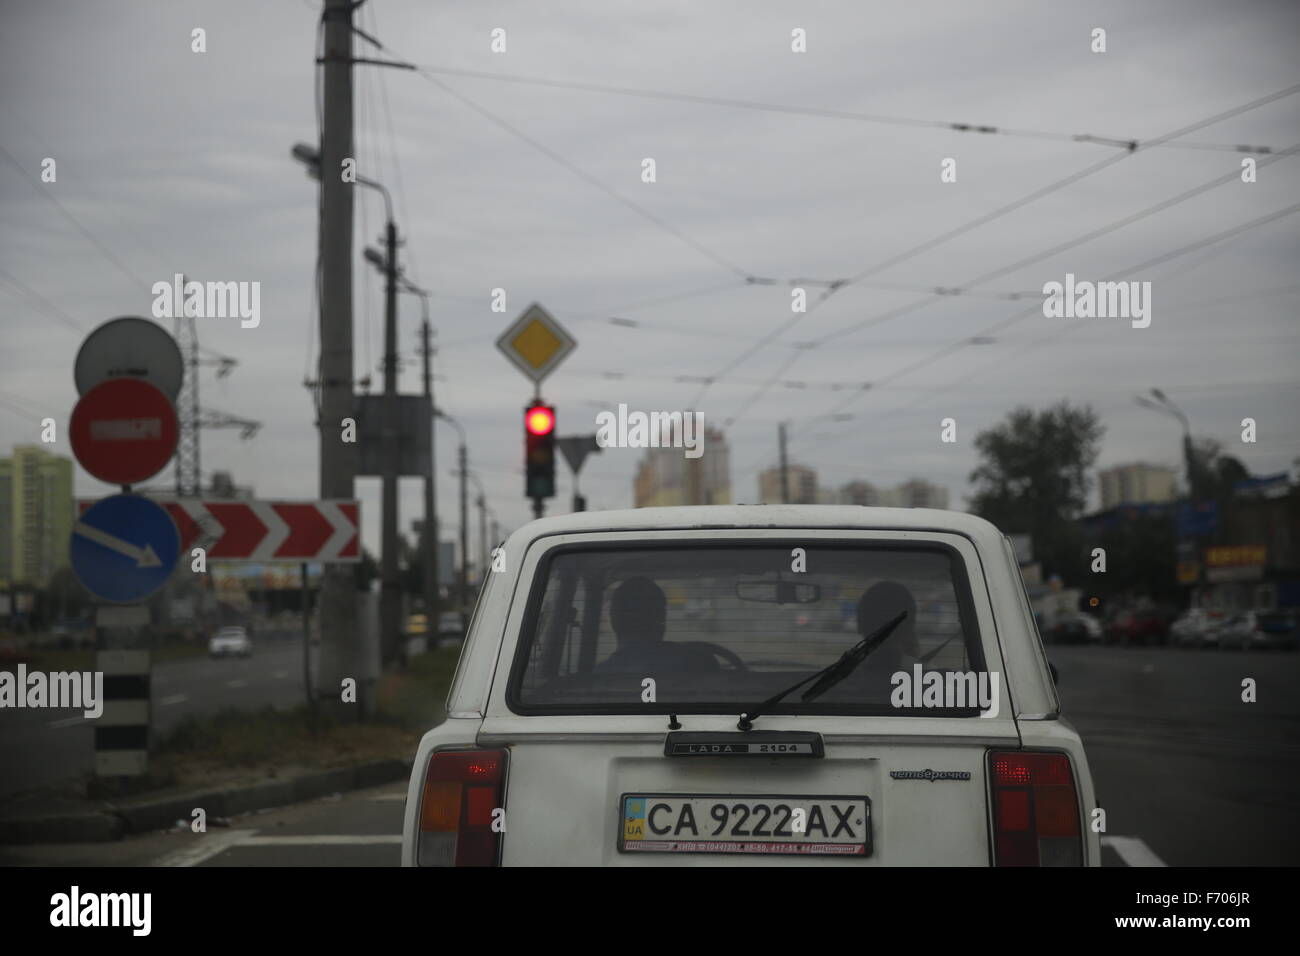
{"type": "Point", "coordinates": [306, 647]}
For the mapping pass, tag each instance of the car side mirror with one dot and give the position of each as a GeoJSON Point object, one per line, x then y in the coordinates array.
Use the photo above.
{"type": "Point", "coordinates": [1056, 677]}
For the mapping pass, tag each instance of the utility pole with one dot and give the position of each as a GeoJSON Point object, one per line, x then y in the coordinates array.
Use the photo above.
{"type": "Point", "coordinates": [483, 559]}
{"type": "Point", "coordinates": [464, 537]}
{"type": "Point", "coordinates": [341, 642]}
{"type": "Point", "coordinates": [390, 601]}
{"type": "Point", "coordinates": [785, 466]}
{"type": "Point", "coordinates": [430, 562]}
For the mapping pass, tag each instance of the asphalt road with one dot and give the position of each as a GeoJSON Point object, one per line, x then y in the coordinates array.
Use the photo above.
{"type": "Point", "coordinates": [39, 747]}
{"type": "Point", "coordinates": [1179, 760]}
{"type": "Point", "coordinates": [1188, 773]}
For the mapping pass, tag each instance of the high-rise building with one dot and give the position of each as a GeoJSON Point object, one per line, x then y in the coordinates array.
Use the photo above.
{"type": "Point", "coordinates": [36, 515]}
{"type": "Point", "coordinates": [667, 477]}
{"type": "Point", "coordinates": [1136, 484]}
{"type": "Point", "coordinates": [916, 493]}
{"type": "Point", "coordinates": [802, 482]}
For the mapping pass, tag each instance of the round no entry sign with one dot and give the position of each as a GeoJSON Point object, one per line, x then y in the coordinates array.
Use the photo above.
{"type": "Point", "coordinates": [123, 431]}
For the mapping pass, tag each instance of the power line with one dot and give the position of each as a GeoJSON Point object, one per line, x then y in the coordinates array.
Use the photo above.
{"type": "Point", "coordinates": [1024, 200]}
{"type": "Point", "coordinates": [1231, 176]}
{"type": "Point", "coordinates": [1069, 181]}
{"type": "Point", "coordinates": [980, 128]}
{"type": "Point", "coordinates": [1037, 310]}
{"type": "Point", "coordinates": [576, 170]}
{"type": "Point", "coordinates": [952, 234]}
{"type": "Point", "coordinates": [50, 307]}
{"type": "Point", "coordinates": [49, 197]}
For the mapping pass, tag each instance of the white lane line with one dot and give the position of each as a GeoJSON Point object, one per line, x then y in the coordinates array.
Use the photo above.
{"type": "Point", "coordinates": [388, 796]}
{"type": "Point", "coordinates": [324, 839]}
{"type": "Point", "coordinates": [205, 848]}
{"type": "Point", "coordinates": [1133, 851]}
{"type": "Point", "coordinates": [237, 682]}
{"type": "Point", "coordinates": [67, 722]}
{"type": "Point", "coordinates": [173, 699]}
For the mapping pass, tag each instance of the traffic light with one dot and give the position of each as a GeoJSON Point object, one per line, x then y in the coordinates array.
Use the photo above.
{"type": "Point", "coordinates": [539, 451]}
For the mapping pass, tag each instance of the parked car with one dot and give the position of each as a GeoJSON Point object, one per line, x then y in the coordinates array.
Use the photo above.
{"type": "Point", "coordinates": [11, 653]}
{"type": "Point", "coordinates": [1073, 628]}
{"type": "Point", "coordinates": [593, 722]}
{"type": "Point", "coordinates": [232, 641]}
{"type": "Point", "coordinates": [1194, 628]}
{"type": "Point", "coordinates": [1137, 626]}
{"type": "Point", "coordinates": [450, 626]}
{"type": "Point", "coordinates": [1249, 630]}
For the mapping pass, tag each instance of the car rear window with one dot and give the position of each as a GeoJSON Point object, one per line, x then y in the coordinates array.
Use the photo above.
{"type": "Point", "coordinates": [721, 629]}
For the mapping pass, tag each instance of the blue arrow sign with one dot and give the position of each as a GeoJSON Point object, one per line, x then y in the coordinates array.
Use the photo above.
{"type": "Point", "coordinates": [124, 548]}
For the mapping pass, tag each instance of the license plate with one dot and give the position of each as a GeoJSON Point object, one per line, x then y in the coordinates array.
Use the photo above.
{"type": "Point", "coordinates": [728, 823]}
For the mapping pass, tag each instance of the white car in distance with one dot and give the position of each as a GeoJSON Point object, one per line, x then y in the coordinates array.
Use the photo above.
{"type": "Point", "coordinates": [632, 692]}
{"type": "Point", "coordinates": [230, 641]}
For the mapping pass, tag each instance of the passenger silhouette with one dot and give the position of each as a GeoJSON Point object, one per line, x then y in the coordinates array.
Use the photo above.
{"type": "Point", "coordinates": [879, 605]}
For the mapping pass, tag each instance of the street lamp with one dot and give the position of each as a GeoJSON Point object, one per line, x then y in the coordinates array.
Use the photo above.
{"type": "Point", "coordinates": [310, 158]}
{"type": "Point", "coordinates": [391, 593]}
{"type": "Point", "coordinates": [1166, 406]}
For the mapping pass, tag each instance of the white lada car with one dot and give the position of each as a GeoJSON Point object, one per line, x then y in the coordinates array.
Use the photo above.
{"type": "Point", "coordinates": [753, 685]}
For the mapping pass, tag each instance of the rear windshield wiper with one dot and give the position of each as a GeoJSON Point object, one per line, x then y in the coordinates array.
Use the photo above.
{"type": "Point", "coordinates": [828, 676]}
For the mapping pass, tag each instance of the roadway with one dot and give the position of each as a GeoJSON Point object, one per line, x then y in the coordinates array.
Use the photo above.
{"type": "Point", "coordinates": [1188, 773]}
{"type": "Point", "coordinates": [40, 747]}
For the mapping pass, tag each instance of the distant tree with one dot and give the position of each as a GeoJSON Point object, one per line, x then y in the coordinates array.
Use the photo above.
{"type": "Point", "coordinates": [1213, 473]}
{"type": "Point", "coordinates": [1141, 559]}
{"type": "Point", "coordinates": [1033, 479]}
{"type": "Point", "coordinates": [64, 595]}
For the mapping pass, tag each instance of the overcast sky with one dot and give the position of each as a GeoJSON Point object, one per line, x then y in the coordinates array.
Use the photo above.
{"type": "Point", "coordinates": [179, 162]}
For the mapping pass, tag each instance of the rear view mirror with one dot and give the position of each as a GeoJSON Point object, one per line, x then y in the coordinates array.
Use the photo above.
{"type": "Point", "coordinates": [779, 592]}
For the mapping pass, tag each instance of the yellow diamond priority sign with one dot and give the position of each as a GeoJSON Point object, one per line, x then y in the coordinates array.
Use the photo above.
{"type": "Point", "coordinates": [536, 343]}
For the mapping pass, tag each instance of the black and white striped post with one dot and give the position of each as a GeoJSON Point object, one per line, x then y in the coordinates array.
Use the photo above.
{"type": "Point", "coordinates": [122, 730]}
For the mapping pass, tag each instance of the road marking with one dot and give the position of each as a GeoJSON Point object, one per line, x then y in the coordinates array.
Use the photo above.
{"type": "Point", "coordinates": [173, 699]}
{"type": "Point", "coordinates": [280, 675]}
{"type": "Point", "coordinates": [388, 796]}
{"type": "Point", "coordinates": [323, 839]}
{"type": "Point", "coordinates": [1133, 851]}
{"type": "Point", "coordinates": [236, 683]}
{"type": "Point", "coordinates": [205, 848]}
{"type": "Point", "coordinates": [66, 722]}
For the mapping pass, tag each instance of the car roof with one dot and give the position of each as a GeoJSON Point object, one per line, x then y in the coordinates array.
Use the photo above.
{"type": "Point", "coordinates": [791, 517]}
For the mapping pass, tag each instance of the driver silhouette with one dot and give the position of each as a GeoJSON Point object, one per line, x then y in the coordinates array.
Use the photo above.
{"type": "Point", "coordinates": [638, 611]}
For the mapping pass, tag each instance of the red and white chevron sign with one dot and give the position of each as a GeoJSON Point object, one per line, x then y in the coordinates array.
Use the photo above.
{"type": "Point", "coordinates": [266, 530]}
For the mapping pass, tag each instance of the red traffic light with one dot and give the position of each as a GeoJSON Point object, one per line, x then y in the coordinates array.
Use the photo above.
{"type": "Point", "coordinates": [539, 420]}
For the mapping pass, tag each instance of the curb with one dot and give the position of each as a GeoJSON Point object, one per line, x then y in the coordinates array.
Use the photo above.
{"type": "Point", "coordinates": [116, 821]}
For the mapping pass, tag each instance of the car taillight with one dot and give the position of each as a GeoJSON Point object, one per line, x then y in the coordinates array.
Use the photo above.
{"type": "Point", "coordinates": [1035, 810]}
{"type": "Point", "coordinates": [462, 789]}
